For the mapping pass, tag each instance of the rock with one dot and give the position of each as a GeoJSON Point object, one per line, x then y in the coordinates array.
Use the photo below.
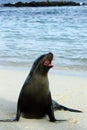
{"type": "Point", "coordinates": [42, 4]}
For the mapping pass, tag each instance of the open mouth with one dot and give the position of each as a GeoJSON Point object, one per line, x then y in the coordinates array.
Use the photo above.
{"type": "Point", "coordinates": [48, 60]}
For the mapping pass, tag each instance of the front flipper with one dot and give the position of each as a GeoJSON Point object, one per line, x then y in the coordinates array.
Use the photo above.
{"type": "Point", "coordinates": [57, 106]}
{"type": "Point", "coordinates": [52, 117]}
{"type": "Point", "coordinates": [17, 116]}
{"type": "Point", "coordinates": [50, 111]}
{"type": "Point", "coordinates": [12, 120]}
{"type": "Point", "coordinates": [8, 120]}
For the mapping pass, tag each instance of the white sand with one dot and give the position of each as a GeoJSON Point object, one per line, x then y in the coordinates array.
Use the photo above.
{"type": "Point", "coordinates": [70, 91]}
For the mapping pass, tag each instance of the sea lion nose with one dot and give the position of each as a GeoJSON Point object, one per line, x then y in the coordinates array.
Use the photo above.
{"type": "Point", "coordinates": [50, 54]}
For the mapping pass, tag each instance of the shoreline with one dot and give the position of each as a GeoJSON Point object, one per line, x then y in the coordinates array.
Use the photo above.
{"type": "Point", "coordinates": [66, 71]}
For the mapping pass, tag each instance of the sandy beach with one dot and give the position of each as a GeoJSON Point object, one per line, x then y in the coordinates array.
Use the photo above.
{"type": "Point", "coordinates": [68, 90]}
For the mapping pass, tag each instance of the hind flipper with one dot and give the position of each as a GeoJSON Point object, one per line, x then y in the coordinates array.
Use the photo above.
{"type": "Point", "coordinates": [57, 106]}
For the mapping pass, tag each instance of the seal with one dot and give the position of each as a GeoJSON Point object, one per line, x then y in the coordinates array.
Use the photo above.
{"type": "Point", "coordinates": [35, 99]}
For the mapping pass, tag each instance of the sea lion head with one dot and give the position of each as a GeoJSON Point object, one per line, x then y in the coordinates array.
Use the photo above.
{"type": "Point", "coordinates": [42, 64]}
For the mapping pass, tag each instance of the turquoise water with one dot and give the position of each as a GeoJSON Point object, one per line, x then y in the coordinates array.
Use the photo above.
{"type": "Point", "coordinates": [26, 33]}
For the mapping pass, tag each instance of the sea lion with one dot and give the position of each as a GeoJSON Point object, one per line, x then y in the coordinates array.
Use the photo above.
{"type": "Point", "coordinates": [35, 99]}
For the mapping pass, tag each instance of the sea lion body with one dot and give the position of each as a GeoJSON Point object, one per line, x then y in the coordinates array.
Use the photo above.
{"type": "Point", "coordinates": [35, 97]}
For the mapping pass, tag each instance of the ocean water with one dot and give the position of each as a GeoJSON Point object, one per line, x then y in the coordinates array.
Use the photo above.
{"type": "Point", "coordinates": [26, 33]}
